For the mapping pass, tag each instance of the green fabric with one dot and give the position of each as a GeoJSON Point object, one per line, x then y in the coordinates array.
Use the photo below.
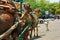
{"type": "Point", "coordinates": [20, 38]}
{"type": "Point", "coordinates": [18, 0]}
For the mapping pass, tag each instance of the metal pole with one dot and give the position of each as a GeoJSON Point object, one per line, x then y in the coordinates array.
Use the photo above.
{"type": "Point", "coordinates": [21, 7]}
{"type": "Point", "coordinates": [21, 1]}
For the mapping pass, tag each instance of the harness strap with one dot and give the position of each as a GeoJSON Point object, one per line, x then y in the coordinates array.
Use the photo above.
{"type": "Point", "coordinates": [5, 6]}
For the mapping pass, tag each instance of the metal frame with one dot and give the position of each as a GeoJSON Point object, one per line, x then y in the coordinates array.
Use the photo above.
{"type": "Point", "coordinates": [21, 1]}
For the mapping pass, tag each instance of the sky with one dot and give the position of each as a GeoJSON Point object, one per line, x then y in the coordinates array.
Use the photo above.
{"type": "Point", "coordinates": [54, 1]}
{"type": "Point", "coordinates": [51, 0]}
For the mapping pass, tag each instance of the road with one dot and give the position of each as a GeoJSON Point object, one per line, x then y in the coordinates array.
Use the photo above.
{"type": "Point", "coordinates": [52, 34]}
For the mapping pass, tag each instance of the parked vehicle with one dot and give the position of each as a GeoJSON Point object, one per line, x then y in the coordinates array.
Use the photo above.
{"type": "Point", "coordinates": [41, 21]}
{"type": "Point", "coordinates": [46, 16]}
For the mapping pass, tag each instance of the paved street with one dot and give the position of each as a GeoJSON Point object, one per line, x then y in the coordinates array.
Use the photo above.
{"type": "Point", "coordinates": [52, 34]}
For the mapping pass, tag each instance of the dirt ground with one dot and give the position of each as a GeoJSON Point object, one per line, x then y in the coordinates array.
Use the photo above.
{"type": "Point", "coordinates": [52, 34]}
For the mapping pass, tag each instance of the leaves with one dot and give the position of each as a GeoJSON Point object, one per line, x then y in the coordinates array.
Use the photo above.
{"type": "Point", "coordinates": [44, 5]}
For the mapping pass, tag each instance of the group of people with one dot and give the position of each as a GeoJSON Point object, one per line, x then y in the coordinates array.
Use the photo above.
{"type": "Point", "coordinates": [27, 15]}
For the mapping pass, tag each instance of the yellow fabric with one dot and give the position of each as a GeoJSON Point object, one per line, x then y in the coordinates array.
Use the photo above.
{"type": "Point", "coordinates": [17, 4]}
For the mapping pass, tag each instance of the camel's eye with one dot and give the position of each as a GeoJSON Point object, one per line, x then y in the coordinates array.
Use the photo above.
{"type": "Point", "coordinates": [3, 2]}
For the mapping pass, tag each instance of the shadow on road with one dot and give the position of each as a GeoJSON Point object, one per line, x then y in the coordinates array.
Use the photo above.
{"type": "Point", "coordinates": [36, 37]}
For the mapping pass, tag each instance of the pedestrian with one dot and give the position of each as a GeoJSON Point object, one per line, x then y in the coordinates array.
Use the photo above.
{"type": "Point", "coordinates": [46, 23]}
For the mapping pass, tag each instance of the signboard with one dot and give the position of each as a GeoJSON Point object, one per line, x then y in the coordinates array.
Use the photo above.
{"type": "Point", "coordinates": [47, 12]}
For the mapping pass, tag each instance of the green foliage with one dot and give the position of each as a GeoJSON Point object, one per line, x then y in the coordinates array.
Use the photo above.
{"type": "Point", "coordinates": [57, 11]}
{"type": "Point", "coordinates": [44, 5]}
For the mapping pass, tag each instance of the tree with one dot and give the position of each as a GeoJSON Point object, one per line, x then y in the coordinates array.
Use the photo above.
{"type": "Point", "coordinates": [32, 3]}
{"type": "Point", "coordinates": [44, 5]}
